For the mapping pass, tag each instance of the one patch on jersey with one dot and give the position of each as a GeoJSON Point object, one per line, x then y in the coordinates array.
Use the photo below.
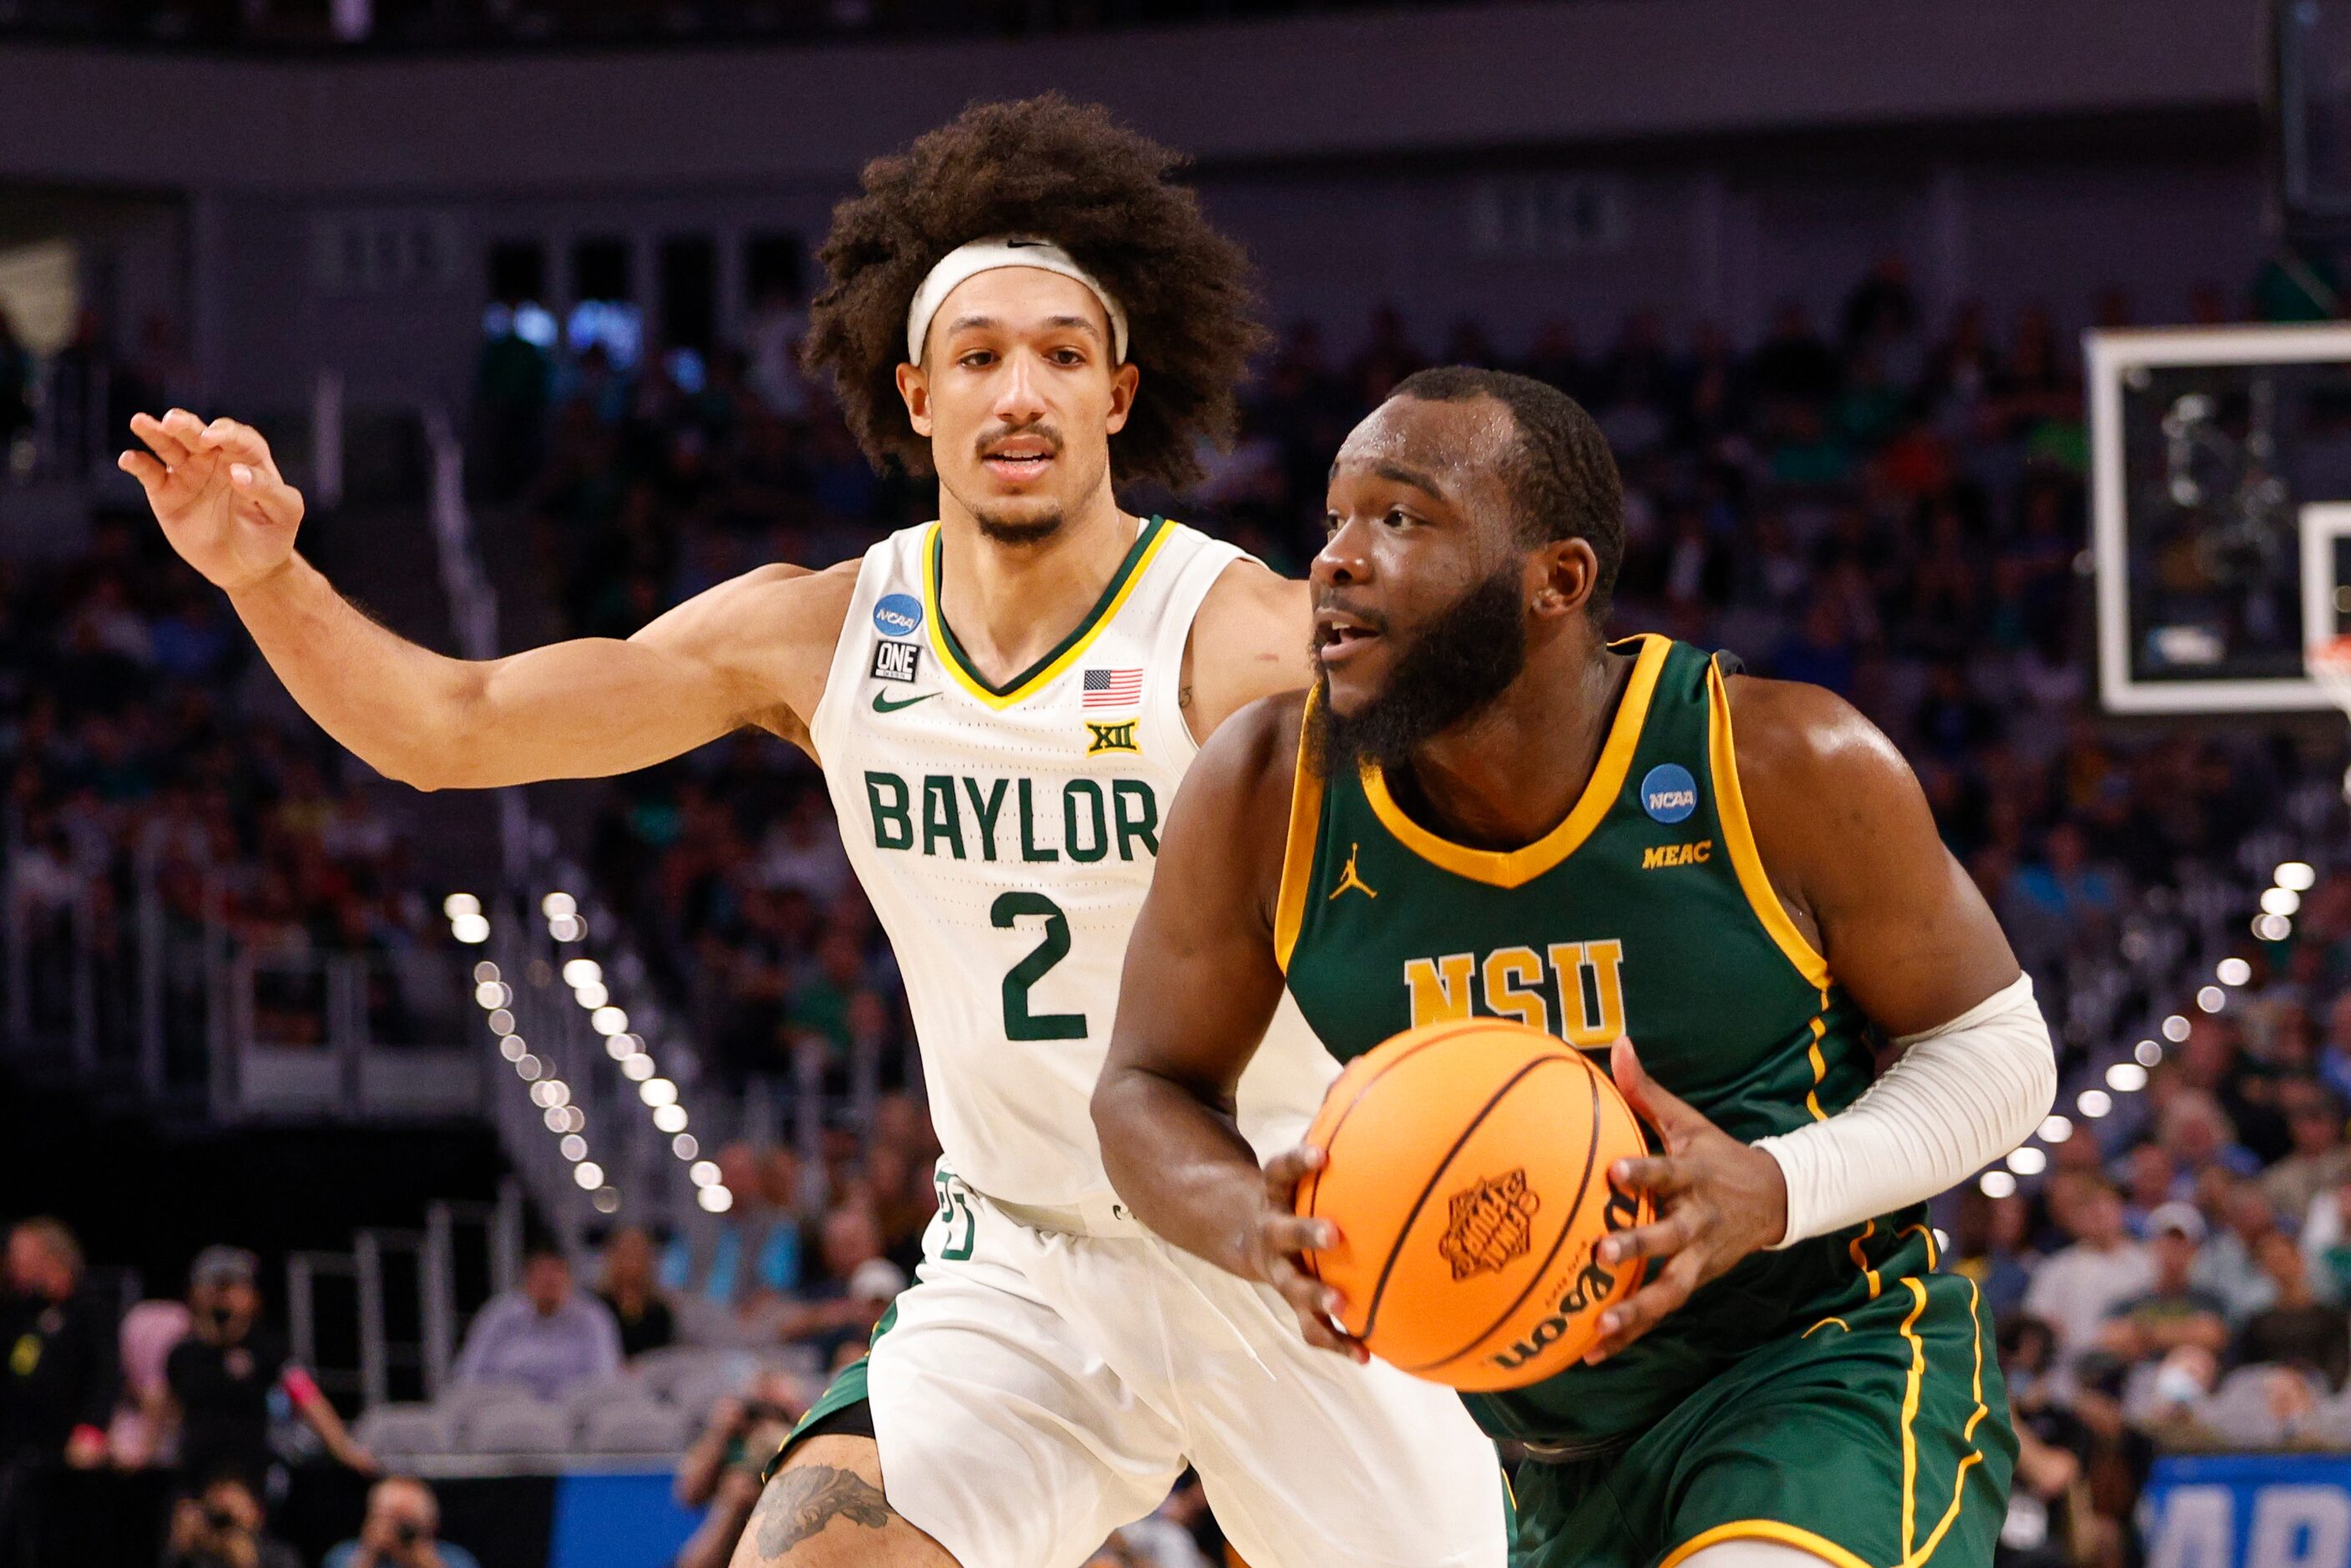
{"type": "Point", "coordinates": [1668, 794]}
{"type": "Point", "coordinates": [898, 615]}
{"type": "Point", "coordinates": [1118, 734]}
{"type": "Point", "coordinates": [897, 661]}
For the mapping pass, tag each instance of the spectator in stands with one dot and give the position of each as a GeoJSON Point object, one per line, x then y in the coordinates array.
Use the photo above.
{"type": "Point", "coordinates": [225, 1526]}
{"type": "Point", "coordinates": [750, 1259]}
{"type": "Point", "coordinates": [545, 1335]}
{"type": "Point", "coordinates": [146, 1428]}
{"type": "Point", "coordinates": [222, 1373]}
{"type": "Point", "coordinates": [2171, 1312]}
{"type": "Point", "coordinates": [2296, 1329]}
{"type": "Point", "coordinates": [56, 1384]}
{"type": "Point", "coordinates": [2318, 1160]}
{"type": "Point", "coordinates": [630, 1294]}
{"type": "Point", "coordinates": [401, 1530]}
{"type": "Point", "coordinates": [1992, 1248]}
{"type": "Point", "coordinates": [721, 1468]}
{"type": "Point", "coordinates": [2078, 1287]}
{"type": "Point", "coordinates": [2229, 1265]}
{"type": "Point", "coordinates": [840, 1309]}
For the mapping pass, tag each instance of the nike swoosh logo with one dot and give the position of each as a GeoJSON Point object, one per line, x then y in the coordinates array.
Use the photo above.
{"type": "Point", "coordinates": [882, 702]}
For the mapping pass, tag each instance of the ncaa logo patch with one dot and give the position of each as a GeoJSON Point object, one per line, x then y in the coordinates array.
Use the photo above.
{"type": "Point", "coordinates": [1668, 794]}
{"type": "Point", "coordinates": [898, 615]}
{"type": "Point", "coordinates": [897, 661]}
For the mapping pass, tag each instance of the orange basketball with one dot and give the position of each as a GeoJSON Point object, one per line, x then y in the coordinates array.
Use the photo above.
{"type": "Point", "coordinates": [1468, 1174]}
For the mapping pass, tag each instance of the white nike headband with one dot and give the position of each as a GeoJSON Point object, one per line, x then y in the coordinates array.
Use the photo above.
{"type": "Point", "coordinates": [987, 255]}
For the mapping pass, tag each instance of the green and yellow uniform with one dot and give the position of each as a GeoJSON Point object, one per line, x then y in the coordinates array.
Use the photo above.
{"type": "Point", "coordinates": [1839, 1395]}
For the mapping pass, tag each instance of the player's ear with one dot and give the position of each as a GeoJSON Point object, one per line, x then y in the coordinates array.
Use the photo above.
{"type": "Point", "coordinates": [1122, 383]}
{"type": "Point", "coordinates": [1565, 572]}
{"type": "Point", "coordinates": [914, 387]}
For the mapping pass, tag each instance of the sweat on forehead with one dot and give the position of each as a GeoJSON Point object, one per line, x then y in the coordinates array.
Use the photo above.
{"type": "Point", "coordinates": [1450, 441]}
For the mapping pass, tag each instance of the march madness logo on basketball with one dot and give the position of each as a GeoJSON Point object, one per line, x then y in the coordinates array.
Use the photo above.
{"type": "Point", "coordinates": [1490, 1225]}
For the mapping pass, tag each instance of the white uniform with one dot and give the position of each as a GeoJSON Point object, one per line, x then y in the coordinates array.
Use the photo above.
{"type": "Point", "coordinates": [1055, 1365]}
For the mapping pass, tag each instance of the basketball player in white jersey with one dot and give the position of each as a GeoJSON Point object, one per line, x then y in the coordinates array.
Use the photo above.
{"type": "Point", "coordinates": [1004, 702]}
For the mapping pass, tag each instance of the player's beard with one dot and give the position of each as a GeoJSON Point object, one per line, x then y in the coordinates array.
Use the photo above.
{"type": "Point", "coordinates": [1452, 670]}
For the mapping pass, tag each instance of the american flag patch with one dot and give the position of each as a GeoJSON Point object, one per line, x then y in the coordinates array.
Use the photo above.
{"type": "Point", "coordinates": [1113, 688]}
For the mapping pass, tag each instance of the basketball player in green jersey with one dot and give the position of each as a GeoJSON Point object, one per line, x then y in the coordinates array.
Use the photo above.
{"type": "Point", "coordinates": [1484, 808]}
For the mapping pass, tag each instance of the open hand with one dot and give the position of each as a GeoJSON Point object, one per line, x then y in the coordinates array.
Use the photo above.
{"type": "Point", "coordinates": [217, 492]}
{"type": "Point", "coordinates": [1275, 1246]}
{"type": "Point", "coordinates": [1717, 1200]}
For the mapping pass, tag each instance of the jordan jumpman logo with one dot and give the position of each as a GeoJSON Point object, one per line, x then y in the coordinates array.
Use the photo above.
{"type": "Point", "coordinates": [1348, 879]}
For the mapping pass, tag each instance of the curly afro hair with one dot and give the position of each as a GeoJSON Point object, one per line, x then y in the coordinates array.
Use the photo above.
{"type": "Point", "coordinates": [1067, 172]}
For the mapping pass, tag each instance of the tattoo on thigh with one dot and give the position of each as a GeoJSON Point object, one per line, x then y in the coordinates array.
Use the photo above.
{"type": "Point", "coordinates": [804, 1501]}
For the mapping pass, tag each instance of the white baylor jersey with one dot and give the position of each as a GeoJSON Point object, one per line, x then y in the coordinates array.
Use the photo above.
{"type": "Point", "coordinates": [1006, 837]}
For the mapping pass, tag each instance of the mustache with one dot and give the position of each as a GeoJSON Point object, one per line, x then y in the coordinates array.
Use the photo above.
{"type": "Point", "coordinates": [1330, 598]}
{"type": "Point", "coordinates": [1045, 432]}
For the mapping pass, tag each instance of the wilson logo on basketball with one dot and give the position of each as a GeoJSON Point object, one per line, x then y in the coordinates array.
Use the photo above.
{"type": "Point", "coordinates": [1489, 1226]}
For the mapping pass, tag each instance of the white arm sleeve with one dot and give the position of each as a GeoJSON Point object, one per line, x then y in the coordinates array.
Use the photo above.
{"type": "Point", "coordinates": [1958, 1098]}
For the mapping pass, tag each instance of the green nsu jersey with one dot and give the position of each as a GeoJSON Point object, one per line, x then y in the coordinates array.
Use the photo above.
{"type": "Point", "coordinates": [1646, 912]}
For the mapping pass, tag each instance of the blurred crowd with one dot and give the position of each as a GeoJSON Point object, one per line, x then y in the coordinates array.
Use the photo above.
{"type": "Point", "coordinates": [144, 763]}
{"type": "Point", "coordinates": [2180, 1280]}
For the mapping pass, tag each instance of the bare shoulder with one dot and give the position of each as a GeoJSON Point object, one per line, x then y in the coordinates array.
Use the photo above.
{"type": "Point", "coordinates": [1249, 640]}
{"type": "Point", "coordinates": [1793, 737]}
{"type": "Point", "coordinates": [1836, 813]}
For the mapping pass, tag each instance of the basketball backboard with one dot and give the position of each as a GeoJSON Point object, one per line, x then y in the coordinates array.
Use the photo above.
{"type": "Point", "coordinates": [2209, 447]}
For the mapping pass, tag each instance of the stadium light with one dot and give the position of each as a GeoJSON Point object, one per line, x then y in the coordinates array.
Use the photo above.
{"type": "Point", "coordinates": [1997, 1183]}
{"type": "Point", "coordinates": [2212, 998]}
{"type": "Point", "coordinates": [578, 972]}
{"type": "Point", "coordinates": [608, 1020]}
{"type": "Point", "coordinates": [2175, 1029]}
{"type": "Point", "coordinates": [556, 905]}
{"type": "Point", "coordinates": [588, 1173]}
{"type": "Point", "coordinates": [2055, 1129]}
{"type": "Point", "coordinates": [685, 1145]}
{"type": "Point", "coordinates": [2094, 1103]}
{"type": "Point", "coordinates": [2126, 1077]}
{"type": "Point", "coordinates": [2282, 901]}
{"type": "Point", "coordinates": [2234, 971]}
{"type": "Point", "coordinates": [670, 1118]}
{"type": "Point", "coordinates": [2296, 876]}
{"type": "Point", "coordinates": [2146, 1054]}
{"type": "Point", "coordinates": [2027, 1161]}
{"type": "Point", "coordinates": [457, 905]}
{"type": "Point", "coordinates": [714, 1200]}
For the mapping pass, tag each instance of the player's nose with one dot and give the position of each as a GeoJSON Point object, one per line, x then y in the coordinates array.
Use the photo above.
{"type": "Point", "coordinates": [1343, 561]}
{"type": "Point", "coordinates": [1020, 394]}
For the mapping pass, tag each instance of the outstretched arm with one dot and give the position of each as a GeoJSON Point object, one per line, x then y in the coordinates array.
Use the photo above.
{"type": "Point", "coordinates": [1201, 984]}
{"type": "Point", "coordinates": [752, 651]}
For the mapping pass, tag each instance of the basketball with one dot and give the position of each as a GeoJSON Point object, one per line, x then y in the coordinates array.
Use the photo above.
{"type": "Point", "coordinates": [1467, 1170]}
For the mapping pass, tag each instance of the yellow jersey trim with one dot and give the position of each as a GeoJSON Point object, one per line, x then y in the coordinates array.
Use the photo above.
{"type": "Point", "coordinates": [1764, 1530]}
{"type": "Point", "coordinates": [1738, 839]}
{"type": "Point", "coordinates": [1298, 855]}
{"type": "Point", "coordinates": [1973, 1457]}
{"type": "Point", "coordinates": [1148, 543]}
{"type": "Point", "coordinates": [1910, 1414]}
{"type": "Point", "coordinates": [1515, 868]}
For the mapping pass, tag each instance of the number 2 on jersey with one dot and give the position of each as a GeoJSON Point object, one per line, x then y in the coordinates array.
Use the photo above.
{"type": "Point", "coordinates": [1020, 1023]}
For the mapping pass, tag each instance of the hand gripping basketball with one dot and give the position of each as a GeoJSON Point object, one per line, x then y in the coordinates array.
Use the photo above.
{"type": "Point", "coordinates": [1717, 1200]}
{"type": "Point", "coordinates": [1277, 1239]}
